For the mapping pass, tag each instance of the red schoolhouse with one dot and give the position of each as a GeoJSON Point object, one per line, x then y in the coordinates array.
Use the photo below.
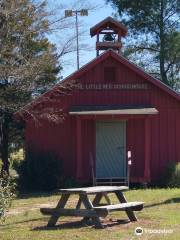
{"type": "Point", "coordinates": [115, 111]}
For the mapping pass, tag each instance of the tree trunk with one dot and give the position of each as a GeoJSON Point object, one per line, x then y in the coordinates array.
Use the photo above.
{"type": "Point", "coordinates": [162, 60]}
{"type": "Point", "coordinates": [162, 45]}
{"type": "Point", "coordinates": [4, 144]}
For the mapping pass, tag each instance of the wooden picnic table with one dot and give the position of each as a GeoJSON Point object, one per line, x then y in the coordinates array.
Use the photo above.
{"type": "Point", "coordinates": [92, 209]}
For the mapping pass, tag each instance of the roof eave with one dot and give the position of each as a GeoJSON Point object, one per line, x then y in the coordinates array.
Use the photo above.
{"type": "Point", "coordinates": [94, 30]}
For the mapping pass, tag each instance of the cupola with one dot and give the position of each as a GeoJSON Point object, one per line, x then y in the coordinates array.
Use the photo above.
{"type": "Point", "coordinates": [109, 33]}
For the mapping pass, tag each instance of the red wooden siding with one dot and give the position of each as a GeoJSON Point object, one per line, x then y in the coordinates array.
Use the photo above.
{"type": "Point", "coordinates": [135, 138]}
{"type": "Point", "coordinates": [164, 127]}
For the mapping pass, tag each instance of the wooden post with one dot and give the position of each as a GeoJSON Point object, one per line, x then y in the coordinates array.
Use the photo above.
{"type": "Point", "coordinates": [119, 40]}
{"type": "Point", "coordinates": [97, 50]}
{"type": "Point", "coordinates": [79, 168]}
{"type": "Point", "coordinates": [119, 36]}
{"type": "Point", "coordinates": [92, 169]}
{"type": "Point", "coordinates": [147, 157]}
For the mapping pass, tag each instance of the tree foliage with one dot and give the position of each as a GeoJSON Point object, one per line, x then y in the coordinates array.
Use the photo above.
{"type": "Point", "coordinates": [154, 35]}
{"type": "Point", "coordinates": [7, 193]}
{"type": "Point", "coordinates": [28, 61]}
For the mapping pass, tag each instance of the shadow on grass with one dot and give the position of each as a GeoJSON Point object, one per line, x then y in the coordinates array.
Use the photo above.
{"type": "Point", "coordinates": [168, 201]}
{"type": "Point", "coordinates": [65, 224]}
{"type": "Point", "coordinates": [36, 194]}
{"type": "Point", "coordinates": [24, 221]}
{"type": "Point", "coordinates": [79, 224]}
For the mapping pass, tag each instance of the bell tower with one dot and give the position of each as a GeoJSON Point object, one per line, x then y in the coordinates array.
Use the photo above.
{"type": "Point", "coordinates": [109, 33]}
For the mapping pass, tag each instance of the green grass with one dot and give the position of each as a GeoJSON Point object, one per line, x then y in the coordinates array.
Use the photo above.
{"type": "Point", "coordinates": [162, 211]}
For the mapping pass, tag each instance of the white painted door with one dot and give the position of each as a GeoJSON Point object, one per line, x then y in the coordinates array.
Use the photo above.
{"type": "Point", "coordinates": [110, 149]}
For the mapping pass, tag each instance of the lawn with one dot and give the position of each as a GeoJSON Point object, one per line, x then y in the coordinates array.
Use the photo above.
{"type": "Point", "coordinates": [162, 211]}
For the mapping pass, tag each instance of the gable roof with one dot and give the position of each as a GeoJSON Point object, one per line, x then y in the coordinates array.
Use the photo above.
{"type": "Point", "coordinates": [108, 22]}
{"type": "Point", "coordinates": [130, 65]}
{"type": "Point", "coordinates": [99, 59]}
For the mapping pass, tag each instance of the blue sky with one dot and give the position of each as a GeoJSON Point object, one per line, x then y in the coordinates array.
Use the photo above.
{"type": "Point", "coordinates": [95, 16]}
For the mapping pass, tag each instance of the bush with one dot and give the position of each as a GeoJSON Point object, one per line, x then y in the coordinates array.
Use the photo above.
{"type": "Point", "coordinates": [40, 171]}
{"type": "Point", "coordinates": [7, 193]}
{"type": "Point", "coordinates": [175, 178]}
{"type": "Point", "coordinates": [16, 157]}
{"type": "Point", "coordinates": [172, 175]}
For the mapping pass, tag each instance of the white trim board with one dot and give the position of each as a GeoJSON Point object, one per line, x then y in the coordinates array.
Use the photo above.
{"type": "Point", "coordinates": [117, 112]}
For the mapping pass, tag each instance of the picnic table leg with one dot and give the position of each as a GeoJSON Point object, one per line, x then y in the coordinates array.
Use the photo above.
{"type": "Point", "coordinates": [78, 206]}
{"type": "Point", "coordinates": [98, 198]}
{"type": "Point", "coordinates": [129, 212]}
{"type": "Point", "coordinates": [88, 205]}
{"type": "Point", "coordinates": [107, 198]}
{"type": "Point", "coordinates": [61, 204]}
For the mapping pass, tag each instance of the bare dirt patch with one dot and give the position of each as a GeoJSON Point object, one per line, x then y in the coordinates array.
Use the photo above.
{"type": "Point", "coordinates": [20, 210]}
{"type": "Point", "coordinates": [37, 206]}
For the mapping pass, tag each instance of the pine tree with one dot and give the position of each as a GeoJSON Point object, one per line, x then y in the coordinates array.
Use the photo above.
{"type": "Point", "coordinates": [154, 29]}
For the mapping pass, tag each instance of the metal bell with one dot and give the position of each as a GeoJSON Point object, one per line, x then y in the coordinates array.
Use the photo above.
{"type": "Point", "coordinates": [108, 37]}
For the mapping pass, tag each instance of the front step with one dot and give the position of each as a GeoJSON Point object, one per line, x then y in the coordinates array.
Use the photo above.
{"type": "Point", "coordinates": [111, 181]}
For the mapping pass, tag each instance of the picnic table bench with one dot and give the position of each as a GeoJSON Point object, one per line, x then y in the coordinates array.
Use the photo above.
{"type": "Point", "coordinates": [92, 209]}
